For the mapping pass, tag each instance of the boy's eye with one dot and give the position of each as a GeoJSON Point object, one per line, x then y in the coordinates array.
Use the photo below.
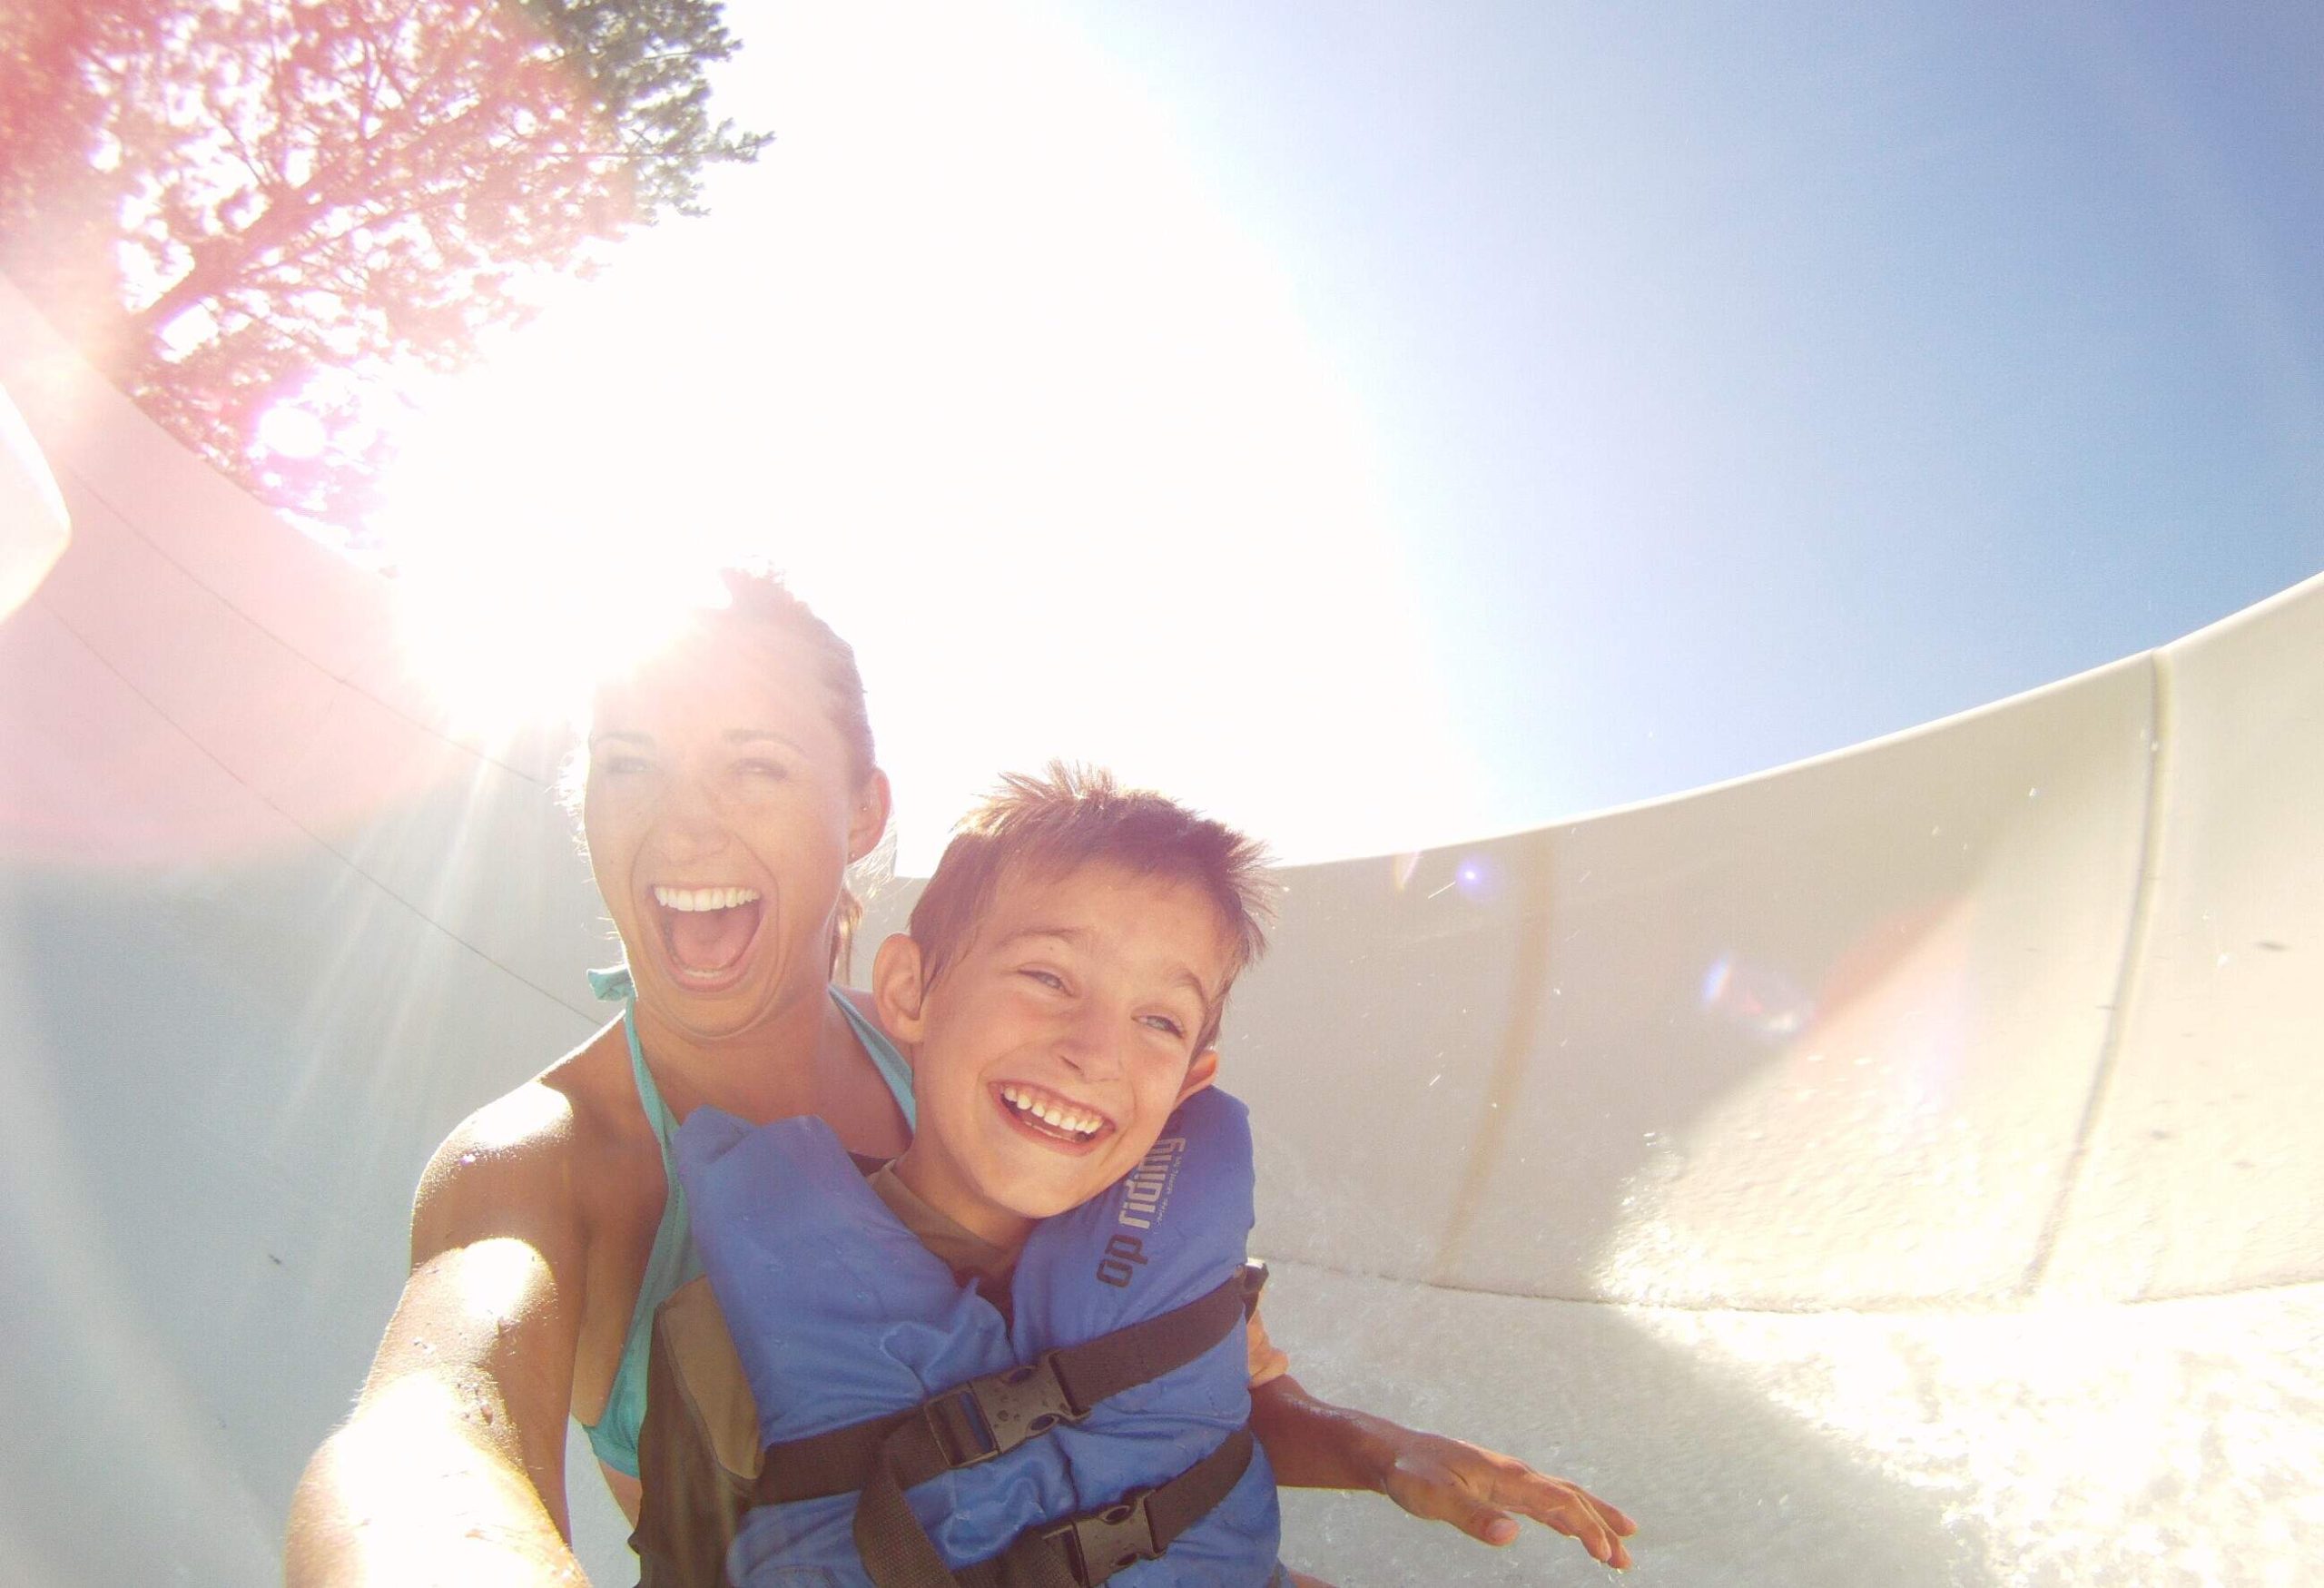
{"type": "Point", "coordinates": [1049, 979]}
{"type": "Point", "coordinates": [1165, 1025]}
{"type": "Point", "coordinates": [624, 765]}
{"type": "Point", "coordinates": [762, 769]}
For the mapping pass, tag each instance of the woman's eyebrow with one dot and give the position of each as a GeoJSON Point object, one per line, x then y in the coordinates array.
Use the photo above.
{"type": "Point", "coordinates": [749, 735]}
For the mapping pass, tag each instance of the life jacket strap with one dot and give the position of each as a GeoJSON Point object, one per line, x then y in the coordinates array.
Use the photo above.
{"type": "Point", "coordinates": [1079, 1552]}
{"type": "Point", "coordinates": [995, 1413]}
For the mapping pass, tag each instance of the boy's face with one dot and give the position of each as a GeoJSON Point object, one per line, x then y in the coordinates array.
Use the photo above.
{"type": "Point", "coordinates": [1055, 1043]}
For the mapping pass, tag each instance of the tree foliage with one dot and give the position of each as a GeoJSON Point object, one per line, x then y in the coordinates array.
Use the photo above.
{"type": "Point", "coordinates": [238, 206]}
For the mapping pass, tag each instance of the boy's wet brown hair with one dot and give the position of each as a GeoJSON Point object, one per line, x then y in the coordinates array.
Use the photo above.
{"type": "Point", "coordinates": [1071, 817]}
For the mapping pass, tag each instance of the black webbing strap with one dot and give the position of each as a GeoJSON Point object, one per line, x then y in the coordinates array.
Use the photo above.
{"type": "Point", "coordinates": [993, 1414]}
{"type": "Point", "coordinates": [1080, 1553]}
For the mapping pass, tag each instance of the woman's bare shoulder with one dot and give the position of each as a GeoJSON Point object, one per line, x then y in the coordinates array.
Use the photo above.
{"type": "Point", "coordinates": [542, 1153]}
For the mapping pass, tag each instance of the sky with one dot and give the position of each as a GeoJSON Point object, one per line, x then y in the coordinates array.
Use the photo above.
{"type": "Point", "coordinates": [1387, 425]}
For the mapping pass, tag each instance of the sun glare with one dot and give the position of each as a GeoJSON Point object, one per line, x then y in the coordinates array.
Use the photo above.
{"type": "Point", "coordinates": [976, 360]}
{"type": "Point", "coordinates": [291, 431]}
{"type": "Point", "coordinates": [2063, 1442]}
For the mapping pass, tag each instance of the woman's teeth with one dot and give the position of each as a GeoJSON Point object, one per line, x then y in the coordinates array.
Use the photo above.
{"type": "Point", "coordinates": [706, 932]}
{"type": "Point", "coordinates": [1054, 1113]}
{"type": "Point", "coordinates": [695, 899]}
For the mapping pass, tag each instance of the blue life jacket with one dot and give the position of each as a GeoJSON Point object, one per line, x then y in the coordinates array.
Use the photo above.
{"type": "Point", "coordinates": [839, 1314]}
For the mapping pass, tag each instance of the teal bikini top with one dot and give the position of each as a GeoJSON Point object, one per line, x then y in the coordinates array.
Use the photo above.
{"type": "Point", "coordinates": [672, 1262]}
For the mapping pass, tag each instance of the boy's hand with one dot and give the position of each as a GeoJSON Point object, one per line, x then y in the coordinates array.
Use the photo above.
{"type": "Point", "coordinates": [1314, 1445]}
{"type": "Point", "coordinates": [1449, 1480]}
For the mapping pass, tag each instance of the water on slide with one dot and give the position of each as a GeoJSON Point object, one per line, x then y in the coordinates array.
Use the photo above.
{"type": "Point", "coordinates": [1897, 1169]}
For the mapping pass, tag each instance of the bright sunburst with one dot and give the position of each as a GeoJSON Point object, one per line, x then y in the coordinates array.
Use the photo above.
{"type": "Point", "coordinates": [975, 359]}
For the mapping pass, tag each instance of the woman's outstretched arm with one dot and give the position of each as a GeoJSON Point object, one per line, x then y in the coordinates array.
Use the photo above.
{"type": "Point", "coordinates": [451, 1468]}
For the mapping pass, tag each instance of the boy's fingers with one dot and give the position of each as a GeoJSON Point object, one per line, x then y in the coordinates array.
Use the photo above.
{"type": "Point", "coordinates": [1575, 1512]}
{"type": "Point", "coordinates": [1616, 1517]}
{"type": "Point", "coordinates": [1484, 1523]}
{"type": "Point", "coordinates": [1614, 1554]}
{"type": "Point", "coordinates": [1527, 1490]}
{"type": "Point", "coordinates": [1476, 1490]}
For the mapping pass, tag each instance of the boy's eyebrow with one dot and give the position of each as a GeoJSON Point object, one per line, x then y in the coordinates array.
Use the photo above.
{"type": "Point", "coordinates": [596, 739]}
{"type": "Point", "coordinates": [1071, 936]}
{"type": "Point", "coordinates": [1074, 935]}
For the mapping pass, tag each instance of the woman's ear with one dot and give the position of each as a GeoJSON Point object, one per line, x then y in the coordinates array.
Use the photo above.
{"type": "Point", "coordinates": [1201, 1073]}
{"type": "Point", "coordinates": [896, 988]}
{"type": "Point", "coordinates": [869, 817]}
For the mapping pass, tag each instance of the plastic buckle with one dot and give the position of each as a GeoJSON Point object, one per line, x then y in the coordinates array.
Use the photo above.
{"type": "Point", "coordinates": [1024, 1403]}
{"type": "Point", "coordinates": [1012, 1405]}
{"type": "Point", "coordinates": [1101, 1543]}
{"type": "Point", "coordinates": [961, 1437]}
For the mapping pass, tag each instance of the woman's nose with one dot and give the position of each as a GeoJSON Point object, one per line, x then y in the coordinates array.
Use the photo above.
{"type": "Point", "coordinates": [691, 822]}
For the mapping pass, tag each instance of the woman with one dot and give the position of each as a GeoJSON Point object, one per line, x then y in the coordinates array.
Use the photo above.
{"type": "Point", "coordinates": [730, 783]}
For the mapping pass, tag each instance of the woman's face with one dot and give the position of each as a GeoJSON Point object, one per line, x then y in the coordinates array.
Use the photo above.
{"type": "Point", "coordinates": [721, 808]}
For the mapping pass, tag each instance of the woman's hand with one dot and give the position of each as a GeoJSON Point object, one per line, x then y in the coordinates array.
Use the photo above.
{"type": "Point", "coordinates": [1476, 1490]}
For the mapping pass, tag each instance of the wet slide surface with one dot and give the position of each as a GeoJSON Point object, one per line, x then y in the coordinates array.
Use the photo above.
{"type": "Point", "coordinates": [1897, 1169]}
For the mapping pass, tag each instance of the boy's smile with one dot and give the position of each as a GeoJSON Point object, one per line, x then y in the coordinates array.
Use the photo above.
{"type": "Point", "coordinates": [1048, 1115]}
{"type": "Point", "coordinates": [1050, 1050]}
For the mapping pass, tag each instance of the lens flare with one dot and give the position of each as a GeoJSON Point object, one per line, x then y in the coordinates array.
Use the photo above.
{"type": "Point", "coordinates": [1478, 879]}
{"type": "Point", "coordinates": [1759, 1001]}
{"type": "Point", "coordinates": [35, 527]}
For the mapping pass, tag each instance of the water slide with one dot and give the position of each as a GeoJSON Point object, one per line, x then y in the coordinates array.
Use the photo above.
{"type": "Point", "coordinates": [1897, 1169]}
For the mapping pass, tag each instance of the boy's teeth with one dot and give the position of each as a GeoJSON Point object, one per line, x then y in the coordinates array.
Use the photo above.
{"type": "Point", "coordinates": [695, 899]}
{"type": "Point", "coordinates": [1064, 1116]}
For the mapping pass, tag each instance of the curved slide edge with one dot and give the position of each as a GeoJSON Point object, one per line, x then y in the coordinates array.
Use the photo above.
{"type": "Point", "coordinates": [2013, 1003]}
{"type": "Point", "coordinates": [2199, 1172]}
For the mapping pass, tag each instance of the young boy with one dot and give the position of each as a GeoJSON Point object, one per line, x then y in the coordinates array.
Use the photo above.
{"type": "Point", "coordinates": [1032, 1320]}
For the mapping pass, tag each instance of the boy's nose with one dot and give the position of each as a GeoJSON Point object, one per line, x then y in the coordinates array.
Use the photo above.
{"type": "Point", "coordinates": [1092, 1044]}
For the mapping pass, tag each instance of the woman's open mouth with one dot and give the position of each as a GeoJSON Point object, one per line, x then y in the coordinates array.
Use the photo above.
{"type": "Point", "coordinates": [707, 933]}
{"type": "Point", "coordinates": [1050, 1117]}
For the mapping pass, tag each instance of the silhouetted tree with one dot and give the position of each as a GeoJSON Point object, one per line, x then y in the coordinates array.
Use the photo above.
{"type": "Point", "coordinates": [236, 206]}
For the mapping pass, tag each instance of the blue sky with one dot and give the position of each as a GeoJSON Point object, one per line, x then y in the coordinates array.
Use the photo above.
{"type": "Point", "coordinates": [1558, 405]}
{"type": "Point", "coordinates": [1765, 387]}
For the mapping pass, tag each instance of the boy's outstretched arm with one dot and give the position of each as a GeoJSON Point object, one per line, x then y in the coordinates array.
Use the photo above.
{"type": "Point", "coordinates": [1314, 1444]}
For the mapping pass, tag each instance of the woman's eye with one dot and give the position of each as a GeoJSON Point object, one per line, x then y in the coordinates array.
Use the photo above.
{"type": "Point", "coordinates": [624, 765]}
{"type": "Point", "coordinates": [1049, 979]}
{"type": "Point", "coordinates": [762, 769]}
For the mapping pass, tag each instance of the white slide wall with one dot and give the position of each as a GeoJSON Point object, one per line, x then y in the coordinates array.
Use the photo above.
{"type": "Point", "coordinates": [1895, 1169]}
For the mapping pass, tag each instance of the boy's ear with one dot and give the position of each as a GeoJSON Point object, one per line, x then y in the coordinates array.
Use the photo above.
{"type": "Point", "coordinates": [1201, 1073]}
{"type": "Point", "coordinates": [896, 988]}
